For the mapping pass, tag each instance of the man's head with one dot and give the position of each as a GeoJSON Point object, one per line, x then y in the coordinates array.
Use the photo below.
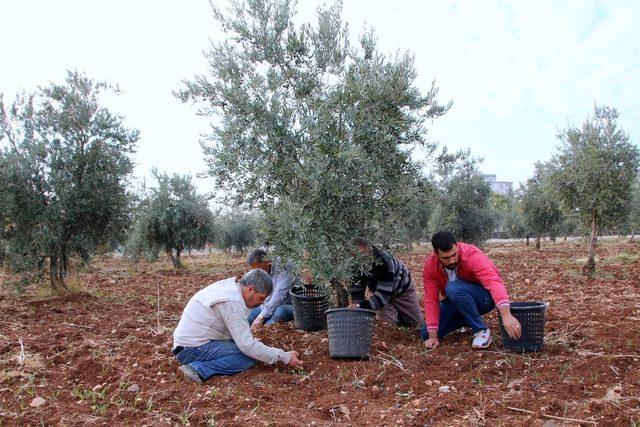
{"type": "Point", "coordinates": [444, 245]}
{"type": "Point", "coordinates": [256, 285]}
{"type": "Point", "coordinates": [362, 245]}
{"type": "Point", "coordinates": [258, 258]}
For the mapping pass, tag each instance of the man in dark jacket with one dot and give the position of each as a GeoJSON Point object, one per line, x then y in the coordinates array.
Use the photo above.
{"type": "Point", "coordinates": [393, 296]}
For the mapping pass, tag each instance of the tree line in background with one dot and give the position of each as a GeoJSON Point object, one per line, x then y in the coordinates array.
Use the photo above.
{"type": "Point", "coordinates": [313, 145]}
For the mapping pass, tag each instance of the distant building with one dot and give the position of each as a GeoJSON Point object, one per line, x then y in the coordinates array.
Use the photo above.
{"type": "Point", "coordinates": [499, 187]}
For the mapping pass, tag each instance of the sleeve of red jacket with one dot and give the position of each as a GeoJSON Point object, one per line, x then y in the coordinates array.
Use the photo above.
{"type": "Point", "coordinates": [487, 274]}
{"type": "Point", "coordinates": [431, 300]}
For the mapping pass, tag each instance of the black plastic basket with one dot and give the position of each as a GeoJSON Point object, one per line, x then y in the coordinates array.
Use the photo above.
{"type": "Point", "coordinates": [350, 331]}
{"type": "Point", "coordinates": [309, 306]}
{"type": "Point", "coordinates": [530, 314]}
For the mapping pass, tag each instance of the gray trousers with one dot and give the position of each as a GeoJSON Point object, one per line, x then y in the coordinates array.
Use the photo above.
{"type": "Point", "coordinates": [402, 310]}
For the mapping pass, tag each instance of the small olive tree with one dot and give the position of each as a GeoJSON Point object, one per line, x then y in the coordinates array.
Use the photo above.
{"type": "Point", "coordinates": [463, 204]}
{"type": "Point", "coordinates": [541, 210]}
{"type": "Point", "coordinates": [315, 133]}
{"type": "Point", "coordinates": [173, 218]}
{"type": "Point", "coordinates": [593, 173]}
{"type": "Point", "coordinates": [238, 231]}
{"type": "Point", "coordinates": [64, 173]}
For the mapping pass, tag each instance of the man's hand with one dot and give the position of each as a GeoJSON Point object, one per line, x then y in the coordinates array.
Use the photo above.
{"type": "Point", "coordinates": [433, 341]}
{"type": "Point", "coordinates": [353, 305]}
{"type": "Point", "coordinates": [257, 324]}
{"type": "Point", "coordinates": [510, 323]}
{"type": "Point", "coordinates": [294, 362]}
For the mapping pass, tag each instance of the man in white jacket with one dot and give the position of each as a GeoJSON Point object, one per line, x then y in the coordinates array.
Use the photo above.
{"type": "Point", "coordinates": [213, 336]}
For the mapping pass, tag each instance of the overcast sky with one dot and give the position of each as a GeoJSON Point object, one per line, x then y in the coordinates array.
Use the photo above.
{"type": "Point", "coordinates": [516, 71]}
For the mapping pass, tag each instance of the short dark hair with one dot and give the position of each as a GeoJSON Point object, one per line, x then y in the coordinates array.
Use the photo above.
{"type": "Point", "coordinates": [361, 241]}
{"type": "Point", "coordinates": [443, 240]}
{"type": "Point", "coordinates": [257, 256]}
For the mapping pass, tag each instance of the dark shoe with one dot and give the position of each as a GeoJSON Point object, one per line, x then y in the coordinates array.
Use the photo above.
{"type": "Point", "coordinates": [190, 373]}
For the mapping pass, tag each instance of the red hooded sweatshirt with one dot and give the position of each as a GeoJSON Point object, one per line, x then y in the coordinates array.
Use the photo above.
{"type": "Point", "coordinates": [473, 266]}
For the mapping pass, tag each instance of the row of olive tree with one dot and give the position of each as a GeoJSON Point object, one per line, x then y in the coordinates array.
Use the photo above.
{"type": "Point", "coordinates": [171, 217]}
{"type": "Point", "coordinates": [589, 186]}
{"type": "Point", "coordinates": [65, 179]}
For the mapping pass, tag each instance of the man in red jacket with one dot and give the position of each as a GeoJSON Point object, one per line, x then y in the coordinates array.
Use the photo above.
{"type": "Point", "coordinates": [472, 287]}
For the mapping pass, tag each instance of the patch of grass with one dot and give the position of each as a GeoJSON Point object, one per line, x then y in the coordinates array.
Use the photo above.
{"type": "Point", "coordinates": [149, 407]}
{"type": "Point", "coordinates": [213, 392]}
{"type": "Point", "coordinates": [621, 258]}
{"type": "Point", "coordinates": [100, 408]}
{"type": "Point", "coordinates": [186, 415]}
{"type": "Point", "coordinates": [97, 398]}
{"type": "Point", "coordinates": [29, 387]}
{"type": "Point", "coordinates": [564, 368]}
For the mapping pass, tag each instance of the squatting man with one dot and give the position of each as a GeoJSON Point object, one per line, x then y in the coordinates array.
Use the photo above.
{"type": "Point", "coordinates": [471, 286]}
{"type": "Point", "coordinates": [213, 336]}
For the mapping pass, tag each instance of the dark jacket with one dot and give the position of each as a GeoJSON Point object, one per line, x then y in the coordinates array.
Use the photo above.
{"type": "Point", "coordinates": [387, 278]}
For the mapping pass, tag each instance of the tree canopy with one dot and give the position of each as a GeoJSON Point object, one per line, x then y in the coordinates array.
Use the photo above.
{"type": "Point", "coordinates": [173, 218]}
{"type": "Point", "coordinates": [593, 173]}
{"type": "Point", "coordinates": [64, 172]}
{"type": "Point", "coordinates": [541, 209]}
{"type": "Point", "coordinates": [314, 132]}
{"type": "Point", "coordinates": [463, 204]}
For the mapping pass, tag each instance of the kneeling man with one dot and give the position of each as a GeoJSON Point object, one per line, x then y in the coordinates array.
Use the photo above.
{"type": "Point", "coordinates": [472, 287]}
{"type": "Point", "coordinates": [393, 295]}
{"type": "Point", "coordinates": [213, 336]}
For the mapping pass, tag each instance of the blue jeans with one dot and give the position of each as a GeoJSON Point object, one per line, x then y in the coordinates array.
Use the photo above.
{"type": "Point", "coordinates": [284, 313]}
{"type": "Point", "coordinates": [464, 305]}
{"type": "Point", "coordinates": [218, 357]}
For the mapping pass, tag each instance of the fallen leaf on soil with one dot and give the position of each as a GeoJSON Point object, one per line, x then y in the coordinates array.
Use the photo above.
{"type": "Point", "coordinates": [37, 401]}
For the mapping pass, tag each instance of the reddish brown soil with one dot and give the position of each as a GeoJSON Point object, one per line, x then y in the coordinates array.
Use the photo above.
{"type": "Point", "coordinates": [84, 350]}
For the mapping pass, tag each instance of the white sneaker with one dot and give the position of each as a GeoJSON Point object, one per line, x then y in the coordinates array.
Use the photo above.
{"type": "Point", "coordinates": [482, 339]}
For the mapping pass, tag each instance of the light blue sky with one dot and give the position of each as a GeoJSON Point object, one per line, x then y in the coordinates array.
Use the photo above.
{"type": "Point", "coordinates": [516, 71]}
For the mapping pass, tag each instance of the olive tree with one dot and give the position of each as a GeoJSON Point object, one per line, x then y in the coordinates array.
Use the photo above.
{"type": "Point", "coordinates": [238, 230]}
{"type": "Point", "coordinates": [314, 132]}
{"type": "Point", "coordinates": [64, 171]}
{"type": "Point", "coordinates": [173, 218]}
{"type": "Point", "coordinates": [541, 210]}
{"type": "Point", "coordinates": [463, 204]}
{"type": "Point", "coordinates": [593, 173]}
